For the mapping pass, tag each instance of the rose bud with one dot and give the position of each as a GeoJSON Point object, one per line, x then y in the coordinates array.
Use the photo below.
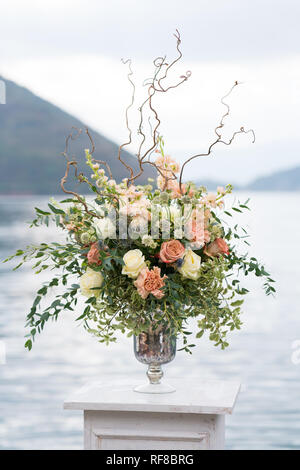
{"type": "Point", "coordinates": [93, 255]}
{"type": "Point", "coordinates": [216, 248]}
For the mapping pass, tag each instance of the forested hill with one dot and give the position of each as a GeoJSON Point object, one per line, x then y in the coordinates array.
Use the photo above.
{"type": "Point", "coordinates": [32, 138]}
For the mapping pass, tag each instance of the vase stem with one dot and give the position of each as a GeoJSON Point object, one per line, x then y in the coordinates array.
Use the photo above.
{"type": "Point", "coordinates": [155, 347]}
{"type": "Point", "coordinates": [154, 373]}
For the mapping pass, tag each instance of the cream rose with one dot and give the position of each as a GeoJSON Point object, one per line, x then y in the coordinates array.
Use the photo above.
{"type": "Point", "coordinates": [89, 281]}
{"type": "Point", "coordinates": [134, 262]}
{"type": "Point", "coordinates": [191, 265]}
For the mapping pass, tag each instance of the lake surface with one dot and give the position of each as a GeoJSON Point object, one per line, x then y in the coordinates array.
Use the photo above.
{"type": "Point", "coordinates": [33, 385]}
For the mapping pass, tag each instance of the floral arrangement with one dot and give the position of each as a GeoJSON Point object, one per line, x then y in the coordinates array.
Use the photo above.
{"type": "Point", "coordinates": [144, 255]}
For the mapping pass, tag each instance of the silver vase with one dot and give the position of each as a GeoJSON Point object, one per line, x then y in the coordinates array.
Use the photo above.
{"type": "Point", "coordinates": [154, 348]}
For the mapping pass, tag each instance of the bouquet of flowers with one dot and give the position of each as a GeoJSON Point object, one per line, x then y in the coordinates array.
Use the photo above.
{"type": "Point", "coordinates": [144, 255]}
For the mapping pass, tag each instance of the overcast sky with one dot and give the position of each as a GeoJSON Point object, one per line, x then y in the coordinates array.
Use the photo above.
{"type": "Point", "coordinates": [69, 53]}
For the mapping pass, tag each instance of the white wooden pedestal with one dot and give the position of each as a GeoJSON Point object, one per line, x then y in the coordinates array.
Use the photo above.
{"type": "Point", "coordinates": [117, 418]}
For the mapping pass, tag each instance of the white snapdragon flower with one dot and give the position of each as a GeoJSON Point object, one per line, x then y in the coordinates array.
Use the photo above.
{"type": "Point", "coordinates": [105, 228]}
{"type": "Point", "coordinates": [176, 214]}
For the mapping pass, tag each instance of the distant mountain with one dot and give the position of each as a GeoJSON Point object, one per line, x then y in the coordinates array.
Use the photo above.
{"type": "Point", "coordinates": [212, 185]}
{"type": "Point", "coordinates": [32, 137]}
{"type": "Point", "coordinates": [286, 180]}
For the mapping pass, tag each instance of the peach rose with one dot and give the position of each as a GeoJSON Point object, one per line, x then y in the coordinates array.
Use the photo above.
{"type": "Point", "coordinates": [171, 251]}
{"type": "Point", "coordinates": [93, 254]}
{"type": "Point", "coordinates": [150, 282]}
{"type": "Point", "coordinates": [216, 248]}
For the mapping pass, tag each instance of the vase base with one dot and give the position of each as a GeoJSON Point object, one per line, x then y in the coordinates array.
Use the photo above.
{"type": "Point", "coordinates": [154, 388]}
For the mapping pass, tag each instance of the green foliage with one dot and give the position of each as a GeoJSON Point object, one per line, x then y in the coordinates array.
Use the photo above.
{"type": "Point", "coordinates": [214, 299]}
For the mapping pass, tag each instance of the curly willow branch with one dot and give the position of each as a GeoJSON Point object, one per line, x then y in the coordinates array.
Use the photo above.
{"type": "Point", "coordinates": [155, 86]}
{"type": "Point", "coordinates": [219, 136]}
{"type": "Point", "coordinates": [101, 162]}
{"type": "Point", "coordinates": [74, 164]}
{"type": "Point", "coordinates": [130, 73]}
{"type": "Point", "coordinates": [73, 193]}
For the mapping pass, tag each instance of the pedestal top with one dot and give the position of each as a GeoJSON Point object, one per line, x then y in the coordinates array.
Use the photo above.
{"type": "Point", "coordinates": [194, 396]}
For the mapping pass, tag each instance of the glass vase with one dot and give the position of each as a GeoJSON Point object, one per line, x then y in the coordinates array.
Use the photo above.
{"type": "Point", "coordinates": [154, 348]}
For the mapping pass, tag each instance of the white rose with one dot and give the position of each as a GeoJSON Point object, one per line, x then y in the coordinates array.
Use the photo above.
{"type": "Point", "coordinates": [134, 262]}
{"type": "Point", "coordinates": [88, 281]}
{"type": "Point", "coordinates": [191, 265]}
{"type": "Point", "coordinates": [105, 228]}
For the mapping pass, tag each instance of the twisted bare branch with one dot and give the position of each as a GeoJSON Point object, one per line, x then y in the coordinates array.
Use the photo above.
{"type": "Point", "coordinates": [101, 162]}
{"type": "Point", "coordinates": [130, 73]}
{"type": "Point", "coordinates": [74, 134]}
{"type": "Point", "coordinates": [155, 85]}
{"type": "Point", "coordinates": [219, 136]}
{"type": "Point", "coordinates": [73, 193]}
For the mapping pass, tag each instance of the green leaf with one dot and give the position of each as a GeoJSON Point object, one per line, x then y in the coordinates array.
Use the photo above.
{"type": "Point", "coordinates": [37, 301]}
{"type": "Point", "coordinates": [28, 344]}
{"type": "Point", "coordinates": [39, 211]}
{"type": "Point", "coordinates": [55, 209]}
{"type": "Point", "coordinates": [237, 303]}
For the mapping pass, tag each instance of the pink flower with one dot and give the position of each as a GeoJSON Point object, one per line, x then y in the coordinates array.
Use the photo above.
{"type": "Point", "coordinates": [176, 193]}
{"type": "Point", "coordinates": [175, 188]}
{"type": "Point", "coordinates": [197, 228]}
{"type": "Point", "coordinates": [167, 182]}
{"type": "Point", "coordinates": [150, 282]}
{"type": "Point", "coordinates": [199, 235]}
{"type": "Point", "coordinates": [216, 248]}
{"type": "Point", "coordinates": [171, 251]}
{"type": "Point", "coordinates": [167, 164]}
{"type": "Point", "coordinates": [171, 184]}
{"type": "Point", "coordinates": [210, 199]}
{"type": "Point", "coordinates": [71, 227]}
{"type": "Point", "coordinates": [135, 207]}
{"type": "Point", "coordinates": [207, 214]}
{"type": "Point", "coordinates": [93, 255]}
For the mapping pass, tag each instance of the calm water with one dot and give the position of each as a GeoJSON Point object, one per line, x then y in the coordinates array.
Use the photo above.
{"type": "Point", "coordinates": [34, 385]}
